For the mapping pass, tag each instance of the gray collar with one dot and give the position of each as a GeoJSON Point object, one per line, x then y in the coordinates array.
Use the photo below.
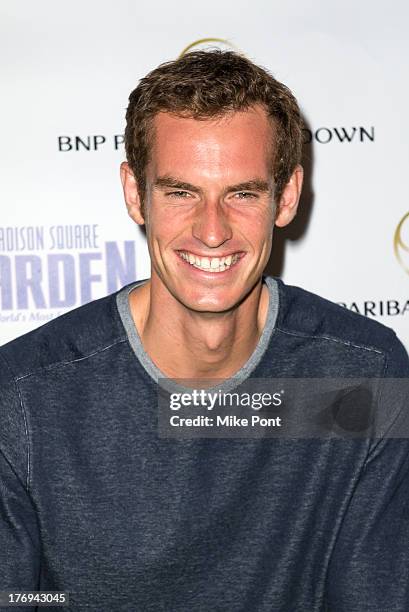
{"type": "Point", "coordinates": [122, 300]}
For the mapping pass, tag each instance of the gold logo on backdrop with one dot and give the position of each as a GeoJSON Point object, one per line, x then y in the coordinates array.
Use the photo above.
{"type": "Point", "coordinates": [204, 43]}
{"type": "Point", "coordinates": [401, 242]}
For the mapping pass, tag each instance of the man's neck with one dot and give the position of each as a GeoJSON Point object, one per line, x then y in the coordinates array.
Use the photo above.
{"type": "Point", "coordinates": [191, 345]}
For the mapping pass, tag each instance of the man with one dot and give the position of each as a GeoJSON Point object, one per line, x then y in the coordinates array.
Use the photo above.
{"type": "Point", "coordinates": [94, 501]}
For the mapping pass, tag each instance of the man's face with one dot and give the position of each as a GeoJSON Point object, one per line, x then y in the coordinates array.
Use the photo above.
{"type": "Point", "coordinates": [209, 208]}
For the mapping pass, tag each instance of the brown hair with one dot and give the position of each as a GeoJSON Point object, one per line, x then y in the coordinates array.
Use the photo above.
{"type": "Point", "coordinates": [208, 84]}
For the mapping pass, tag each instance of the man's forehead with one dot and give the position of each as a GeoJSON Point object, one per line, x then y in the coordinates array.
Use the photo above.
{"type": "Point", "coordinates": [246, 135]}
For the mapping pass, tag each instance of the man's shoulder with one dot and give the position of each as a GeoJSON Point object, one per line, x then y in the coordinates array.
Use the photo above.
{"type": "Point", "coordinates": [73, 335]}
{"type": "Point", "coordinates": [307, 314]}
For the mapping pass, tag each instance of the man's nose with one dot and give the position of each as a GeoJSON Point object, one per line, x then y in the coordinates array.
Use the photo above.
{"type": "Point", "coordinates": [211, 225]}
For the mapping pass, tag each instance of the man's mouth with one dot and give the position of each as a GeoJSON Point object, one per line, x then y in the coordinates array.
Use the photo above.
{"type": "Point", "coordinates": [210, 264]}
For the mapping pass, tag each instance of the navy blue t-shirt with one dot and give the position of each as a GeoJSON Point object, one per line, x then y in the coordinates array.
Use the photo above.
{"type": "Point", "coordinates": [94, 502]}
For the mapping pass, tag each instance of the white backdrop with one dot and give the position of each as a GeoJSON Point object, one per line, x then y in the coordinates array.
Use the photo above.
{"type": "Point", "coordinates": [67, 71]}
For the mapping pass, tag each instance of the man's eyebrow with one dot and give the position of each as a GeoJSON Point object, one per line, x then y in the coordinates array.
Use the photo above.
{"type": "Point", "coordinates": [253, 185]}
{"type": "Point", "coordinates": [175, 183]}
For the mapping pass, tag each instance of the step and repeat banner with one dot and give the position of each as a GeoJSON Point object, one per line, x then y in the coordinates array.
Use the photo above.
{"type": "Point", "coordinates": [67, 71]}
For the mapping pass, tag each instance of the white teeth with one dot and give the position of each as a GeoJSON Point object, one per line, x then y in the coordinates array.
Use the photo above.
{"type": "Point", "coordinates": [214, 264]}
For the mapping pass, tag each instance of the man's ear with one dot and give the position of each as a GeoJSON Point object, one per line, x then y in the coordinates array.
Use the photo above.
{"type": "Point", "coordinates": [287, 207]}
{"type": "Point", "coordinates": [131, 194]}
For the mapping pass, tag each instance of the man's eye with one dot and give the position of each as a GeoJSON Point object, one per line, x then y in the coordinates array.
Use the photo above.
{"type": "Point", "coordinates": [245, 195]}
{"type": "Point", "coordinates": [178, 194]}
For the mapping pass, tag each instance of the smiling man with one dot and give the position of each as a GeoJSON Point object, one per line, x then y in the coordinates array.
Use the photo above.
{"type": "Point", "coordinates": [94, 500]}
{"type": "Point", "coordinates": [210, 213]}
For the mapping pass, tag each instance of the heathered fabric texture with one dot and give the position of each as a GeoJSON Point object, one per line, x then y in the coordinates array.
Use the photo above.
{"type": "Point", "coordinates": [93, 502]}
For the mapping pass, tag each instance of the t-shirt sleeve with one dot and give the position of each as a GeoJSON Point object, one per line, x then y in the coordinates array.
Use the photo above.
{"type": "Point", "coordinates": [369, 567]}
{"type": "Point", "coordinates": [19, 531]}
{"type": "Point", "coordinates": [19, 538]}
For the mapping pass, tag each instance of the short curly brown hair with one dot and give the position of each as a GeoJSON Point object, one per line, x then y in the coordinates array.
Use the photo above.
{"type": "Point", "coordinates": [208, 84]}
